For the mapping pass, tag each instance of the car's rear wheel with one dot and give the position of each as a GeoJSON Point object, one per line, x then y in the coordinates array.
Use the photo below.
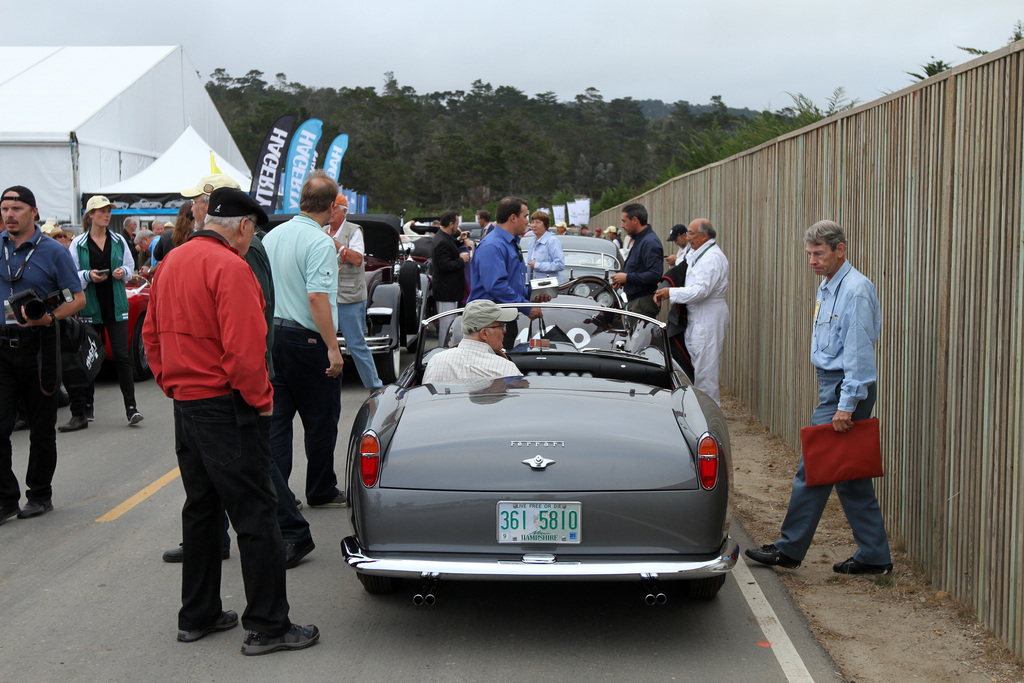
{"type": "Point", "coordinates": [137, 353]}
{"type": "Point", "coordinates": [705, 589]}
{"type": "Point", "coordinates": [388, 365]}
{"type": "Point", "coordinates": [376, 585]}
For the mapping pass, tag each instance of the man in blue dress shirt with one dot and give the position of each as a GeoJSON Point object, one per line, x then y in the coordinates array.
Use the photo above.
{"type": "Point", "coordinates": [498, 270]}
{"type": "Point", "coordinates": [846, 324]}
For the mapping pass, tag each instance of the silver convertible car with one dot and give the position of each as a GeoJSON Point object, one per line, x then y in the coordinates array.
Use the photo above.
{"type": "Point", "coordinates": [600, 462]}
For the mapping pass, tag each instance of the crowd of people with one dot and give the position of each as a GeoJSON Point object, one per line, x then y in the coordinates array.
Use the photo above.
{"type": "Point", "coordinates": [242, 334]}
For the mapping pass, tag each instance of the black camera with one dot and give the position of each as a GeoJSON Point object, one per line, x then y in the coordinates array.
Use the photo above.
{"type": "Point", "coordinates": [35, 306]}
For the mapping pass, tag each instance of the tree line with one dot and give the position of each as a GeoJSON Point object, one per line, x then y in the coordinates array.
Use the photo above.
{"type": "Point", "coordinates": [466, 149]}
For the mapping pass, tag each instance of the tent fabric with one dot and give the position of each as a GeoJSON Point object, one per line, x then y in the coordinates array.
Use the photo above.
{"type": "Point", "coordinates": [81, 118]}
{"type": "Point", "coordinates": [187, 160]}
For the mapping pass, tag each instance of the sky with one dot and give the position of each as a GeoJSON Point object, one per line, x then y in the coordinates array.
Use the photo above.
{"type": "Point", "coordinates": [751, 53]}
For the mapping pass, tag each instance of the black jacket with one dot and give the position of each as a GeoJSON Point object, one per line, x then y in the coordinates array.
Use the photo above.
{"type": "Point", "coordinates": [449, 276]}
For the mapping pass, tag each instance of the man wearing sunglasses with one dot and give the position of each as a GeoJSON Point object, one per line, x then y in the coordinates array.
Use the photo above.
{"type": "Point", "coordinates": [28, 261]}
{"type": "Point", "coordinates": [479, 354]}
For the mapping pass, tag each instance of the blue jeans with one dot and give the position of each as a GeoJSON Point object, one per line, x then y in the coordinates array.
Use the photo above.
{"type": "Point", "coordinates": [301, 385]}
{"type": "Point", "coordinates": [352, 325]}
{"type": "Point", "coordinates": [857, 497]}
{"type": "Point", "coordinates": [223, 450]}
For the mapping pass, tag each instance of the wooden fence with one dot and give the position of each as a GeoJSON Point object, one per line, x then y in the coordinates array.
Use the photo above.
{"type": "Point", "coordinates": [927, 183]}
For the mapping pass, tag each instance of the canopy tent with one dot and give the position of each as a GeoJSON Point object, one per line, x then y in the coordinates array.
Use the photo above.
{"type": "Point", "coordinates": [159, 185]}
{"type": "Point", "coordinates": [84, 118]}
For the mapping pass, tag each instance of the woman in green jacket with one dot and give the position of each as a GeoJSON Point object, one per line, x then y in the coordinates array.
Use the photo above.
{"type": "Point", "coordinates": [104, 262]}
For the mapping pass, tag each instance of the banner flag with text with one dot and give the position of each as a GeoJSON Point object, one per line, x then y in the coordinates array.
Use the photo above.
{"type": "Point", "coordinates": [266, 170]}
{"type": "Point", "coordinates": [300, 161]}
{"type": "Point", "coordinates": [335, 153]}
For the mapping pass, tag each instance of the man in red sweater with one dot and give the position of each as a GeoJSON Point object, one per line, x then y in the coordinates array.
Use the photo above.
{"type": "Point", "coordinates": [205, 338]}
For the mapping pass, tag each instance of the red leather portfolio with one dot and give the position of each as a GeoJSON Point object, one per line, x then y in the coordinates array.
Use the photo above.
{"type": "Point", "coordinates": [831, 457]}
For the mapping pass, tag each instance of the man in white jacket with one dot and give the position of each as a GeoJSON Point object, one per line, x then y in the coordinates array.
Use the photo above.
{"type": "Point", "coordinates": [707, 279]}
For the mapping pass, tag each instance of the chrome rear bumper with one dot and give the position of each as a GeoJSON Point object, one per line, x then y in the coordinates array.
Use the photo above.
{"type": "Point", "coordinates": [374, 344]}
{"type": "Point", "coordinates": [538, 566]}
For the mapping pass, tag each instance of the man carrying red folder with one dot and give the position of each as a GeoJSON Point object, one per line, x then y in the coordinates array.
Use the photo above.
{"type": "Point", "coordinates": [846, 324]}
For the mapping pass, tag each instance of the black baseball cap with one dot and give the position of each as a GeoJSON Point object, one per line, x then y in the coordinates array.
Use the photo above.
{"type": "Point", "coordinates": [24, 194]}
{"type": "Point", "coordinates": [677, 230]}
{"type": "Point", "coordinates": [228, 202]}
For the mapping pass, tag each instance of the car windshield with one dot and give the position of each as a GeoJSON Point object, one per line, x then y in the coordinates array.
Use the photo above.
{"type": "Point", "coordinates": [564, 328]}
{"type": "Point", "coordinates": [590, 259]}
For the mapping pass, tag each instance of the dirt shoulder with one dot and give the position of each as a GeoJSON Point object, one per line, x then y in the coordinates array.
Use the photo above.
{"type": "Point", "coordinates": [879, 629]}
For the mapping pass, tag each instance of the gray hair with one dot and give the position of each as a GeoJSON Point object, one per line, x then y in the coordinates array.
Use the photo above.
{"type": "Point", "coordinates": [228, 222]}
{"type": "Point", "coordinates": [143, 234]}
{"type": "Point", "coordinates": [705, 227]}
{"type": "Point", "coordinates": [130, 221]}
{"type": "Point", "coordinates": [825, 232]}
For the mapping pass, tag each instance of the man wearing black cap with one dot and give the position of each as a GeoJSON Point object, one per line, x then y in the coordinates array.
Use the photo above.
{"type": "Point", "coordinates": [205, 340]}
{"type": "Point", "coordinates": [28, 358]}
{"type": "Point", "coordinates": [677, 236]}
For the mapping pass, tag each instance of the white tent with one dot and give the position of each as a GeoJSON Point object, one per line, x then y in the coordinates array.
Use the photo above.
{"type": "Point", "coordinates": [83, 118]}
{"type": "Point", "coordinates": [187, 160]}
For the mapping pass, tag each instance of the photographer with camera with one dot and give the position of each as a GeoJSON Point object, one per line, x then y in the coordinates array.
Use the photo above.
{"type": "Point", "coordinates": [33, 271]}
{"type": "Point", "coordinates": [104, 262]}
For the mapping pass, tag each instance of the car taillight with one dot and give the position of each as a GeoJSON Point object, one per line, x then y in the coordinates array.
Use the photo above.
{"type": "Point", "coordinates": [708, 461]}
{"type": "Point", "coordinates": [369, 459]}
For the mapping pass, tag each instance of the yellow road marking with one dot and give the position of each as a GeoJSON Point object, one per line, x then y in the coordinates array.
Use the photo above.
{"type": "Point", "coordinates": [141, 496]}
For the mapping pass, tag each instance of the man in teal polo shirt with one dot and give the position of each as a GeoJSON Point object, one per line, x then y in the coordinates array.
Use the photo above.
{"type": "Point", "coordinates": [307, 358]}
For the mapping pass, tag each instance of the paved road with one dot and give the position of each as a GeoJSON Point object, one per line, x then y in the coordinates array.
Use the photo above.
{"type": "Point", "coordinates": [87, 600]}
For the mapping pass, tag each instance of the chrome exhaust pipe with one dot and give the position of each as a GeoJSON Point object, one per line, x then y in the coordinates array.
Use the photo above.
{"type": "Point", "coordinates": [428, 592]}
{"type": "Point", "coordinates": [652, 594]}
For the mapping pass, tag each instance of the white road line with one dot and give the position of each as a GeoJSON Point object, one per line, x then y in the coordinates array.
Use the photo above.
{"type": "Point", "coordinates": [791, 663]}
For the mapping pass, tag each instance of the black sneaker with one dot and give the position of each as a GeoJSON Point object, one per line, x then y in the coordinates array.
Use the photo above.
{"type": "Point", "coordinates": [34, 508]}
{"type": "Point", "coordinates": [9, 512]}
{"type": "Point", "coordinates": [134, 416]}
{"type": "Point", "coordinates": [771, 556]}
{"type": "Point", "coordinates": [226, 621]}
{"type": "Point", "coordinates": [339, 501]}
{"type": "Point", "coordinates": [176, 555]}
{"type": "Point", "coordinates": [294, 552]}
{"type": "Point", "coordinates": [852, 566]}
{"type": "Point", "coordinates": [295, 638]}
{"type": "Point", "coordinates": [90, 413]}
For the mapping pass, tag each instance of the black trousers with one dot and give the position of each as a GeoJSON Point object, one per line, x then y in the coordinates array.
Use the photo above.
{"type": "Point", "coordinates": [118, 334]}
{"type": "Point", "coordinates": [301, 385]}
{"type": "Point", "coordinates": [19, 381]}
{"type": "Point", "coordinates": [223, 450]}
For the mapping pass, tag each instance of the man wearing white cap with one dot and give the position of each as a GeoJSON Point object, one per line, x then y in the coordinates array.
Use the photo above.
{"type": "Point", "coordinates": [200, 194]}
{"type": "Point", "coordinates": [479, 354]}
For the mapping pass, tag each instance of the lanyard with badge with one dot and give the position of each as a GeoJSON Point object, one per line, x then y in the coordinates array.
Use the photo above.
{"type": "Point", "coordinates": [14, 277]}
{"type": "Point", "coordinates": [701, 255]}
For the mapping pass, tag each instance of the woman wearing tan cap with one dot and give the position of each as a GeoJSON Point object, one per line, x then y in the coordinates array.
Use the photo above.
{"type": "Point", "coordinates": [104, 262]}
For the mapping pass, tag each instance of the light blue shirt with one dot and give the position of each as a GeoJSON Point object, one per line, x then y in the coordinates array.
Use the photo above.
{"type": "Point", "coordinates": [548, 256]}
{"type": "Point", "coordinates": [304, 262]}
{"type": "Point", "coordinates": [846, 324]}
